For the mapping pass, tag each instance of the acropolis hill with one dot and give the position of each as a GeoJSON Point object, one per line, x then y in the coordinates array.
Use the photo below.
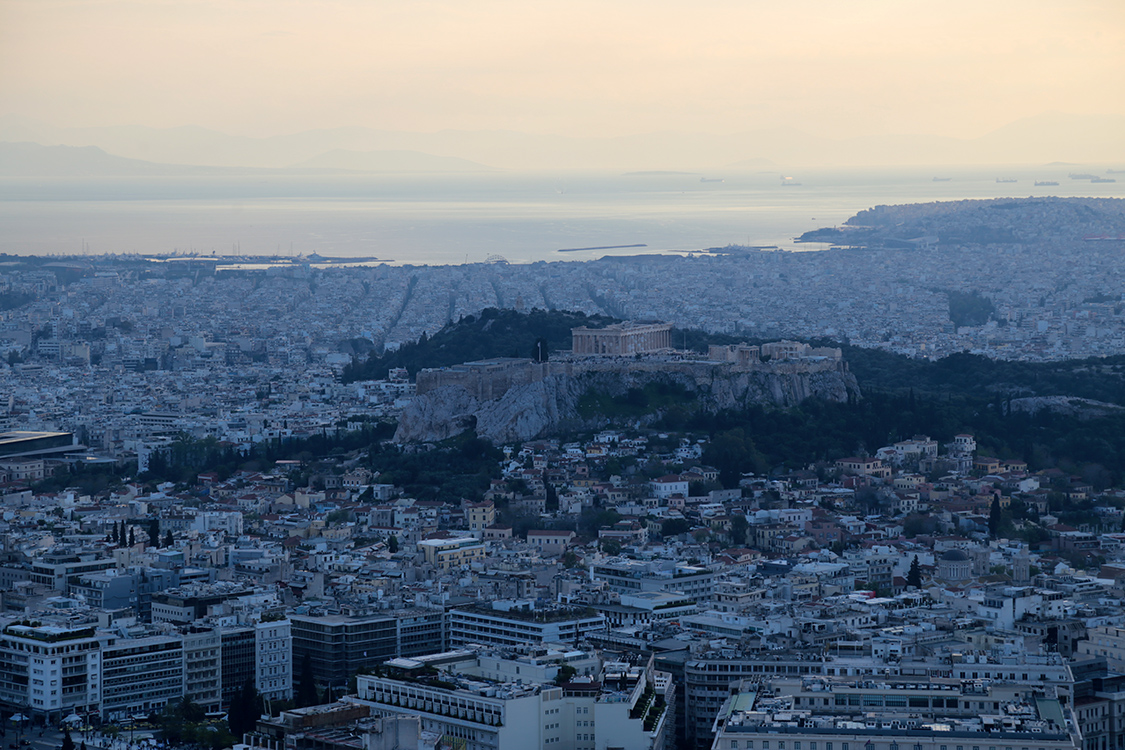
{"type": "Point", "coordinates": [509, 400]}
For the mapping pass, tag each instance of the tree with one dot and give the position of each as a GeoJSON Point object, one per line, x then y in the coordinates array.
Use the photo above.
{"type": "Point", "coordinates": [306, 685]}
{"type": "Point", "coordinates": [733, 453]}
{"type": "Point", "coordinates": [168, 539]}
{"type": "Point", "coordinates": [994, 517]}
{"type": "Point", "coordinates": [564, 674]}
{"type": "Point", "coordinates": [245, 708]}
{"type": "Point", "coordinates": [392, 543]}
{"type": "Point", "coordinates": [914, 577]}
{"type": "Point", "coordinates": [154, 532]}
{"type": "Point", "coordinates": [132, 536]}
{"type": "Point", "coordinates": [738, 528]}
{"type": "Point", "coordinates": [67, 740]}
{"type": "Point", "coordinates": [674, 527]}
{"type": "Point", "coordinates": [191, 711]}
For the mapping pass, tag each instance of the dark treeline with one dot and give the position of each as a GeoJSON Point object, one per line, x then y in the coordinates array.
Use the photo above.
{"type": "Point", "coordinates": [761, 439]}
{"type": "Point", "coordinates": [187, 457]}
{"type": "Point", "coordinates": [493, 333]}
{"type": "Point", "coordinates": [971, 375]}
{"type": "Point", "coordinates": [462, 467]}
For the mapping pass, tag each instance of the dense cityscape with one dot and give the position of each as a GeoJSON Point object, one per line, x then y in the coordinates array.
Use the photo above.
{"type": "Point", "coordinates": [211, 537]}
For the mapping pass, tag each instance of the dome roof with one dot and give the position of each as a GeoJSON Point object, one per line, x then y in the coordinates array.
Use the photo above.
{"type": "Point", "coordinates": [954, 555]}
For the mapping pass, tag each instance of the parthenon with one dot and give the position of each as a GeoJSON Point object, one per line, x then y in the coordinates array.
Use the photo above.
{"type": "Point", "coordinates": [622, 339]}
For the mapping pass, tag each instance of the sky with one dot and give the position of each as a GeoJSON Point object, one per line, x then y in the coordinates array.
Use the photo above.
{"type": "Point", "coordinates": [958, 68]}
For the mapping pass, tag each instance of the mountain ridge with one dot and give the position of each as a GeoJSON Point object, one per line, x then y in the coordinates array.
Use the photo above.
{"type": "Point", "coordinates": [1031, 140]}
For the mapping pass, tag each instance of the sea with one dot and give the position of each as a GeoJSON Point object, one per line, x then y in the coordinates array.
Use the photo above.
{"type": "Point", "coordinates": [427, 219]}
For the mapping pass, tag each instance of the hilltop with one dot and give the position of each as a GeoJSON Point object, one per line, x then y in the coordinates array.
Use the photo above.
{"type": "Point", "coordinates": [493, 333]}
{"type": "Point", "coordinates": [1047, 413]}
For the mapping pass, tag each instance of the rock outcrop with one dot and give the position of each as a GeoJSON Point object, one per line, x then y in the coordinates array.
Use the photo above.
{"type": "Point", "coordinates": [551, 405]}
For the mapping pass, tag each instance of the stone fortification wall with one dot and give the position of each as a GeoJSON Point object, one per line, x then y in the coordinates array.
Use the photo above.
{"type": "Point", "coordinates": [522, 401]}
{"type": "Point", "coordinates": [489, 379]}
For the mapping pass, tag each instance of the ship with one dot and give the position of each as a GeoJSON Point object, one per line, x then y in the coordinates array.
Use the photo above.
{"type": "Point", "coordinates": [942, 179]}
{"type": "Point", "coordinates": [1006, 179]}
{"type": "Point", "coordinates": [1045, 183]}
{"type": "Point", "coordinates": [1103, 179]}
{"type": "Point", "coordinates": [710, 179]}
{"type": "Point", "coordinates": [1081, 176]}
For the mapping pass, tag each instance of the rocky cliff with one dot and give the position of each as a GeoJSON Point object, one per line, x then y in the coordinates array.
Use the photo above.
{"type": "Point", "coordinates": [560, 403]}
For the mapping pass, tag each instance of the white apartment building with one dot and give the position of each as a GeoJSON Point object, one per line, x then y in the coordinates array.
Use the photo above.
{"type": "Point", "coordinates": [273, 658]}
{"type": "Point", "coordinates": [50, 671]}
{"type": "Point", "coordinates": [626, 706]}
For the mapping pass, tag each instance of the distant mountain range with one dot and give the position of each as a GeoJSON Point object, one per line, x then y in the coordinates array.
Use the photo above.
{"type": "Point", "coordinates": [1034, 140]}
{"type": "Point", "coordinates": [389, 161]}
{"type": "Point", "coordinates": [35, 160]}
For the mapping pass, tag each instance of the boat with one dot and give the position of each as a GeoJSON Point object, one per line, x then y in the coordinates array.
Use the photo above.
{"type": "Point", "coordinates": [710, 179]}
{"type": "Point", "coordinates": [942, 179]}
{"type": "Point", "coordinates": [1103, 179]}
{"type": "Point", "coordinates": [1045, 183]}
{"type": "Point", "coordinates": [1082, 176]}
{"type": "Point", "coordinates": [1006, 179]}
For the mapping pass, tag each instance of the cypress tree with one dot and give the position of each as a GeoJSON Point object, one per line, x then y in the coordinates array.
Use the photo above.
{"type": "Point", "coordinates": [914, 577]}
{"type": "Point", "coordinates": [306, 685]}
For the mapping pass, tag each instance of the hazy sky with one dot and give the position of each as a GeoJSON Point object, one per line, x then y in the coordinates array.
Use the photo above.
{"type": "Point", "coordinates": [576, 67]}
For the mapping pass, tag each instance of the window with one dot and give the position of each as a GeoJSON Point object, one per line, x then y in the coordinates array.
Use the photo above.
{"type": "Point", "coordinates": [734, 745]}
